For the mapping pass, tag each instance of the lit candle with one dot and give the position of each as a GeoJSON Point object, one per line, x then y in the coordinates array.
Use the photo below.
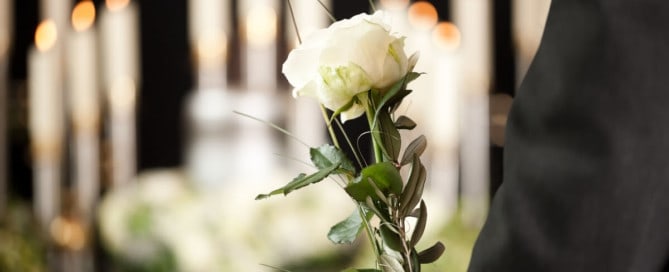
{"type": "Point", "coordinates": [5, 37]}
{"type": "Point", "coordinates": [309, 17]}
{"type": "Point", "coordinates": [259, 27]}
{"type": "Point", "coordinates": [208, 27]}
{"type": "Point", "coordinates": [209, 162]}
{"type": "Point", "coordinates": [84, 105]}
{"type": "Point", "coordinates": [473, 18]}
{"type": "Point", "coordinates": [422, 17]}
{"type": "Point", "coordinates": [397, 11]}
{"type": "Point", "coordinates": [45, 121]}
{"type": "Point", "coordinates": [260, 30]}
{"type": "Point", "coordinates": [444, 129]}
{"type": "Point", "coordinates": [120, 55]}
{"type": "Point", "coordinates": [305, 116]}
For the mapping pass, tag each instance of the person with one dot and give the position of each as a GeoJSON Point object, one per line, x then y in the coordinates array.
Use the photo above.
{"type": "Point", "coordinates": [586, 163]}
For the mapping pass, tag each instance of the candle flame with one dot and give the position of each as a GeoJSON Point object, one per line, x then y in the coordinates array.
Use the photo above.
{"type": "Point", "coordinates": [83, 15]}
{"type": "Point", "coordinates": [115, 5]}
{"type": "Point", "coordinates": [423, 15]}
{"type": "Point", "coordinates": [261, 25]}
{"type": "Point", "coordinates": [446, 36]}
{"type": "Point", "coordinates": [212, 46]}
{"type": "Point", "coordinates": [46, 35]}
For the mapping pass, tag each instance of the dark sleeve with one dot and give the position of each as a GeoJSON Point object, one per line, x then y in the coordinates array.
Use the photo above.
{"type": "Point", "coordinates": [586, 163]}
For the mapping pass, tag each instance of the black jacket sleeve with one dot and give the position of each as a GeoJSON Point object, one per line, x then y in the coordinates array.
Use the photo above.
{"type": "Point", "coordinates": [586, 163]}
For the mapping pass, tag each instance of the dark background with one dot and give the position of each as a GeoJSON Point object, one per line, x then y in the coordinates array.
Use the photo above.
{"type": "Point", "coordinates": [167, 78]}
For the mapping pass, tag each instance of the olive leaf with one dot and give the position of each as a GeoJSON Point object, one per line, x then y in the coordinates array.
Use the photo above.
{"type": "Point", "coordinates": [413, 191]}
{"type": "Point", "coordinates": [348, 229]}
{"type": "Point", "coordinates": [404, 122]}
{"type": "Point", "coordinates": [415, 148]}
{"type": "Point", "coordinates": [327, 155]}
{"type": "Point", "coordinates": [384, 175]}
{"type": "Point", "coordinates": [301, 181]}
{"type": "Point", "coordinates": [432, 253]}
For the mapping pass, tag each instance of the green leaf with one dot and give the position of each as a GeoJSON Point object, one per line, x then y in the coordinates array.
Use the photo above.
{"type": "Point", "coordinates": [390, 264]}
{"type": "Point", "coordinates": [413, 191]}
{"type": "Point", "coordinates": [347, 230]}
{"type": "Point", "coordinates": [385, 133]}
{"type": "Point", "coordinates": [301, 181]}
{"type": "Point", "coordinates": [384, 175]}
{"type": "Point", "coordinates": [391, 237]}
{"type": "Point", "coordinates": [395, 102]}
{"type": "Point", "coordinates": [404, 122]}
{"type": "Point", "coordinates": [415, 148]}
{"type": "Point", "coordinates": [420, 225]}
{"type": "Point", "coordinates": [431, 254]}
{"type": "Point", "coordinates": [361, 270]}
{"type": "Point", "coordinates": [327, 155]}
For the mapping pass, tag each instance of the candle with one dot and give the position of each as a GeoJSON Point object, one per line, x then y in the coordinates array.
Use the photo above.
{"type": "Point", "coordinates": [57, 11]}
{"type": "Point", "coordinates": [120, 55]}
{"type": "Point", "coordinates": [45, 121]}
{"type": "Point", "coordinates": [444, 130]}
{"type": "Point", "coordinates": [208, 24]}
{"type": "Point", "coordinates": [5, 37]}
{"type": "Point", "coordinates": [473, 18]}
{"type": "Point", "coordinates": [305, 115]}
{"type": "Point", "coordinates": [84, 105]}
{"type": "Point", "coordinates": [309, 17]}
{"type": "Point", "coordinates": [422, 17]}
{"type": "Point", "coordinates": [260, 29]}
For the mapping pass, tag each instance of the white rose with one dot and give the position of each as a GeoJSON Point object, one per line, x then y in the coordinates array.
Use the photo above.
{"type": "Point", "coordinates": [349, 57]}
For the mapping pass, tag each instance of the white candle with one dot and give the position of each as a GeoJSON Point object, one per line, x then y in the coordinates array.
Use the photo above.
{"type": "Point", "coordinates": [120, 54]}
{"type": "Point", "coordinates": [473, 18]}
{"type": "Point", "coordinates": [57, 11]}
{"type": "Point", "coordinates": [45, 121]}
{"type": "Point", "coordinates": [259, 21]}
{"type": "Point", "coordinates": [5, 37]}
{"type": "Point", "coordinates": [422, 17]}
{"type": "Point", "coordinates": [444, 129]}
{"type": "Point", "coordinates": [209, 24]}
{"type": "Point", "coordinates": [309, 17]}
{"type": "Point", "coordinates": [305, 115]}
{"type": "Point", "coordinates": [84, 105]}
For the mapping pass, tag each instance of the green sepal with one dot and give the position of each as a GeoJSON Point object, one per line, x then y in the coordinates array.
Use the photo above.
{"type": "Point", "coordinates": [348, 229]}
{"type": "Point", "coordinates": [384, 175]}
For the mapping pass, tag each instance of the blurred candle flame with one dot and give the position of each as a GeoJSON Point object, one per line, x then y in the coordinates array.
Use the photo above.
{"type": "Point", "coordinates": [261, 25]}
{"type": "Point", "coordinates": [46, 35]}
{"type": "Point", "coordinates": [83, 15]}
{"type": "Point", "coordinates": [115, 5]}
{"type": "Point", "coordinates": [446, 36]}
{"type": "Point", "coordinates": [423, 15]}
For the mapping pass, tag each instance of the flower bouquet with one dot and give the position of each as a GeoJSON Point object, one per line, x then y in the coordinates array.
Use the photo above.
{"type": "Point", "coordinates": [358, 66]}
